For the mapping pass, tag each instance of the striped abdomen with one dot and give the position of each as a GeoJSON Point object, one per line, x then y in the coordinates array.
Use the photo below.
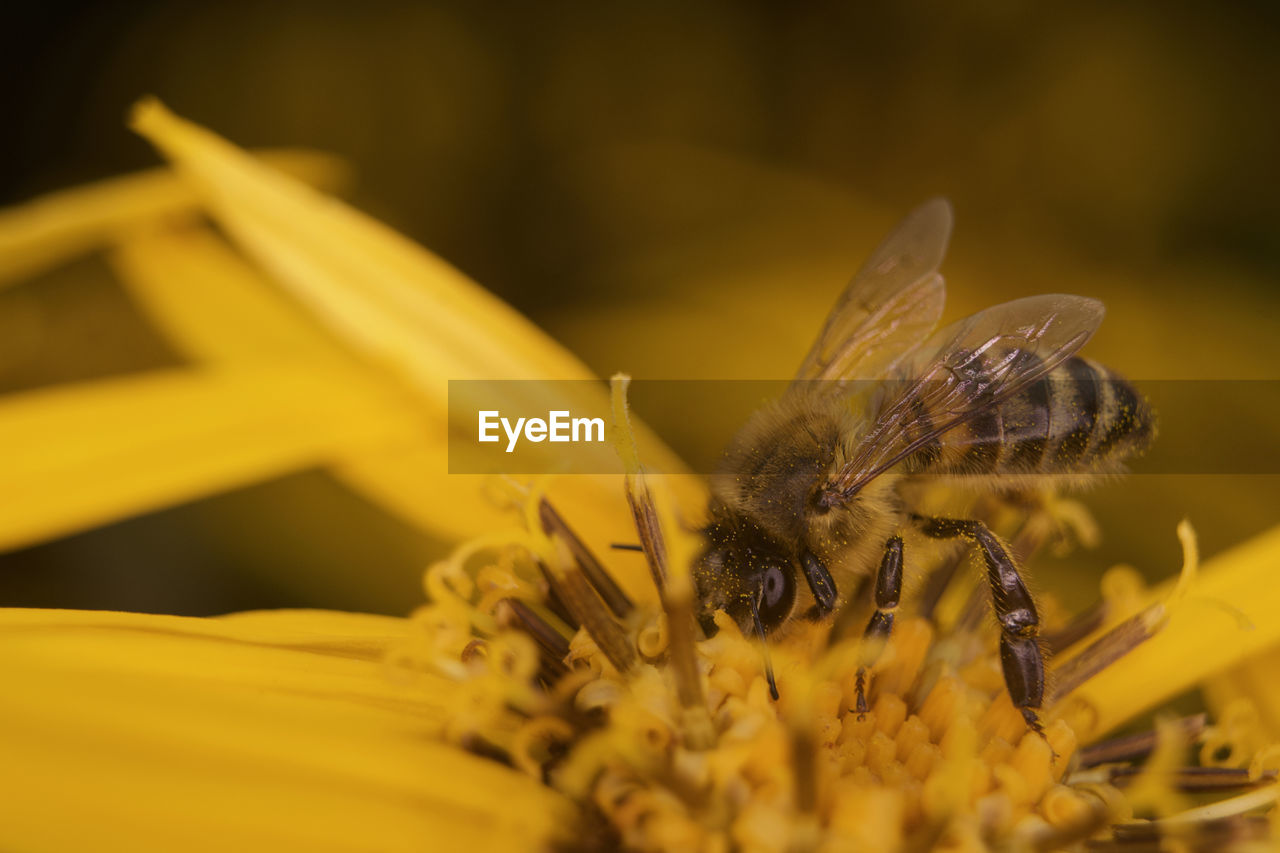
{"type": "Point", "coordinates": [1080, 418]}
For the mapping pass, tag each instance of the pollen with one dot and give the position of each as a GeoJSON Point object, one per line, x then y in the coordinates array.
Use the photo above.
{"type": "Point", "coordinates": [940, 759]}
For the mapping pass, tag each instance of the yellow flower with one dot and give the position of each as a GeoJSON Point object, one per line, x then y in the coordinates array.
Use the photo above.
{"type": "Point", "coordinates": [489, 718]}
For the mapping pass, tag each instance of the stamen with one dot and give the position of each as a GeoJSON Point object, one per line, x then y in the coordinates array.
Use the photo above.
{"type": "Point", "coordinates": [1199, 780]}
{"type": "Point", "coordinates": [565, 575]}
{"type": "Point", "coordinates": [1081, 626]}
{"type": "Point", "coordinates": [1190, 571]}
{"type": "Point", "coordinates": [557, 606]}
{"type": "Point", "coordinates": [552, 643]}
{"type": "Point", "coordinates": [603, 583]}
{"type": "Point", "coordinates": [1190, 562]}
{"type": "Point", "coordinates": [1217, 834]}
{"type": "Point", "coordinates": [1138, 745]}
{"type": "Point", "coordinates": [672, 576]}
{"type": "Point", "coordinates": [478, 745]}
{"type": "Point", "coordinates": [678, 601]}
{"type": "Point", "coordinates": [638, 499]}
{"type": "Point", "coordinates": [651, 541]}
{"type": "Point", "coordinates": [1151, 788]}
{"type": "Point", "coordinates": [1104, 651]}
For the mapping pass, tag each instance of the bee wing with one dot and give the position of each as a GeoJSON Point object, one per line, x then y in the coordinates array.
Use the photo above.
{"type": "Point", "coordinates": [961, 371]}
{"type": "Point", "coordinates": [893, 302]}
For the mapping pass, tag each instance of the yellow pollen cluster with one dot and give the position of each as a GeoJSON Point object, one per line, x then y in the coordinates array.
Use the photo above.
{"type": "Point", "coordinates": [941, 760]}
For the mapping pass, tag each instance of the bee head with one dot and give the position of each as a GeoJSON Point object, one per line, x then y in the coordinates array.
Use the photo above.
{"type": "Point", "coordinates": [746, 573]}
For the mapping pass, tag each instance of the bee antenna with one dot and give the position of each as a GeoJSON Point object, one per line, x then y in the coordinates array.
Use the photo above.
{"type": "Point", "coordinates": [625, 546]}
{"type": "Point", "coordinates": [764, 644]}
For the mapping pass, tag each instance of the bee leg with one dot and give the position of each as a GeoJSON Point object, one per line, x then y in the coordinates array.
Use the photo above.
{"type": "Point", "coordinates": [820, 582]}
{"type": "Point", "coordinates": [1020, 654]}
{"type": "Point", "coordinates": [888, 591]}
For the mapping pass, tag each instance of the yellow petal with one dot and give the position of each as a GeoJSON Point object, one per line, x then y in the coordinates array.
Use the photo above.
{"type": "Point", "coordinates": [379, 290]}
{"type": "Point", "coordinates": [266, 730]}
{"type": "Point", "coordinates": [94, 452]}
{"type": "Point", "coordinates": [1229, 614]}
{"type": "Point", "coordinates": [213, 304]}
{"type": "Point", "coordinates": [56, 227]}
{"type": "Point", "coordinates": [357, 635]}
{"type": "Point", "coordinates": [383, 294]}
{"type": "Point", "coordinates": [220, 309]}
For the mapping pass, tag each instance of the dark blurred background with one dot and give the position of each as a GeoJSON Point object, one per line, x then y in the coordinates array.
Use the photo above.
{"type": "Point", "coordinates": [678, 190]}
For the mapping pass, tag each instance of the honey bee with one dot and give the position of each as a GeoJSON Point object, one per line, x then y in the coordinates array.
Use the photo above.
{"type": "Point", "coordinates": [822, 483]}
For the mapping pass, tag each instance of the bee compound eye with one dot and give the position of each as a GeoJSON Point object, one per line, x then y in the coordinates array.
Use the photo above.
{"type": "Point", "coordinates": [777, 591]}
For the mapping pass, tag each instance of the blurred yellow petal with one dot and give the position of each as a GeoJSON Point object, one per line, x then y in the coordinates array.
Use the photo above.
{"type": "Point", "coordinates": [220, 309]}
{"type": "Point", "coordinates": [213, 304]}
{"type": "Point", "coordinates": [134, 732]}
{"type": "Point", "coordinates": [42, 233]}
{"type": "Point", "coordinates": [94, 452]}
{"type": "Point", "coordinates": [1227, 615]}
{"type": "Point", "coordinates": [384, 294]}
{"type": "Point", "coordinates": [360, 635]}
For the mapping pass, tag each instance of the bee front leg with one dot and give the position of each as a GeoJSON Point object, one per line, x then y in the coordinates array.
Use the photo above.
{"type": "Point", "coordinates": [1020, 654]}
{"type": "Point", "coordinates": [821, 584]}
{"type": "Point", "coordinates": [880, 625]}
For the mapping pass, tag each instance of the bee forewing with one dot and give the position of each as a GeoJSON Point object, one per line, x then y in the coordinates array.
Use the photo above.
{"type": "Point", "coordinates": [1001, 349]}
{"type": "Point", "coordinates": [893, 302]}
{"type": "Point", "coordinates": [916, 246]}
{"type": "Point", "coordinates": [963, 370]}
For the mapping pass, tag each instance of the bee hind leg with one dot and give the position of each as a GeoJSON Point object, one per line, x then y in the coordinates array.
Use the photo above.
{"type": "Point", "coordinates": [880, 625]}
{"type": "Point", "coordinates": [1020, 654]}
